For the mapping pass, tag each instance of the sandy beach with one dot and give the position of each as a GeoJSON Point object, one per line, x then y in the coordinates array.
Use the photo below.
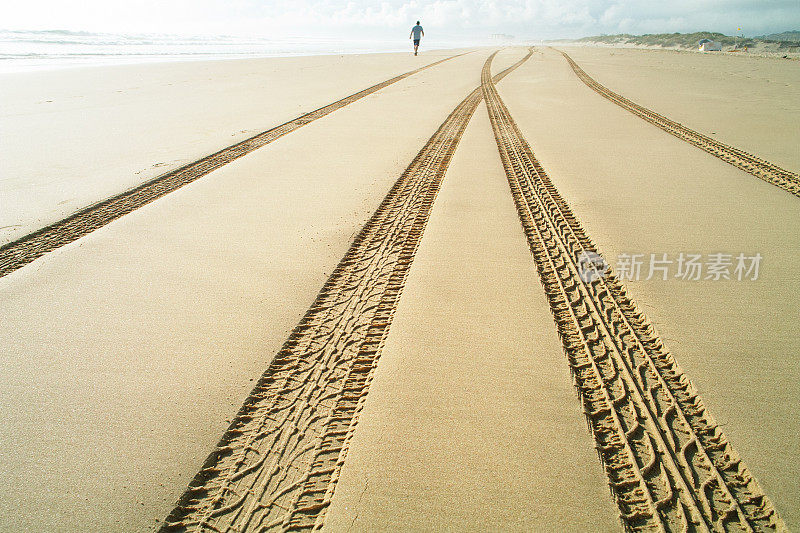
{"type": "Point", "coordinates": [96, 131]}
{"type": "Point", "coordinates": [127, 353]}
{"type": "Point", "coordinates": [729, 337]}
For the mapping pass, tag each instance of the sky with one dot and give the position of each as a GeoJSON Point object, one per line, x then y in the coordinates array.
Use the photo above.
{"type": "Point", "coordinates": [376, 19]}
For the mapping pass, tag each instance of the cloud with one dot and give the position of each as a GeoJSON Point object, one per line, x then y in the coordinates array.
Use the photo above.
{"type": "Point", "coordinates": [374, 19]}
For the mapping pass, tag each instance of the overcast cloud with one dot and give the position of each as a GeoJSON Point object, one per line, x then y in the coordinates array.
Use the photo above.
{"type": "Point", "coordinates": [526, 19]}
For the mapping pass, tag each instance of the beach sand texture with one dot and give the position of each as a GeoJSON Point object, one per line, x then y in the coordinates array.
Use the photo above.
{"type": "Point", "coordinates": [639, 190]}
{"type": "Point", "coordinates": [127, 352]}
{"type": "Point", "coordinates": [94, 132]}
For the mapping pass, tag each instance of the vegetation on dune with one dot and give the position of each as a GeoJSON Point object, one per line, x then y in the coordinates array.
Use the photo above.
{"type": "Point", "coordinates": [786, 36]}
{"type": "Point", "coordinates": [690, 40]}
{"type": "Point", "coordinates": [685, 40]}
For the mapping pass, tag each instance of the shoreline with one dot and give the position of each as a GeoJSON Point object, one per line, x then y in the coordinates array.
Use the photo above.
{"type": "Point", "coordinates": [27, 63]}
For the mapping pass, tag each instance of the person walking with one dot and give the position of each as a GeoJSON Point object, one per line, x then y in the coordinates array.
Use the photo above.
{"type": "Point", "coordinates": [416, 34]}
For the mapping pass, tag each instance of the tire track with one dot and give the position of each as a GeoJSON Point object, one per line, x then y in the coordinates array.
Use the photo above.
{"type": "Point", "coordinates": [669, 466]}
{"type": "Point", "coordinates": [769, 172]}
{"type": "Point", "coordinates": [18, 253]}
{"type": "Point", "coordinates": [277, 465]}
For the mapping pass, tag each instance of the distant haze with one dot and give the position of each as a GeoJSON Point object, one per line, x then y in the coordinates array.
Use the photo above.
{"type": "Point", "coordinates": [371, 19]}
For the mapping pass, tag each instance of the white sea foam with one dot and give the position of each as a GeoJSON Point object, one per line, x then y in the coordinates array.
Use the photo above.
{"type": "Point", "coordinates": [35, 50]}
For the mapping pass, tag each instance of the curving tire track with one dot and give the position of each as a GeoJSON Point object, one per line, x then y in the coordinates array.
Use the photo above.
{"type": "Point", "coordinates": [18, 253]}
{"type": "Point", "coordinates": [769, 172]}
{"type": "Point", "coordinates": [277, 465]}
{"type": "Point", "coordinates": [669, 466]}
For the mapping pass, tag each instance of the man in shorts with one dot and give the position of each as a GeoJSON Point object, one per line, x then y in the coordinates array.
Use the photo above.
{"type": "Point", "coordinates": [416, 33]}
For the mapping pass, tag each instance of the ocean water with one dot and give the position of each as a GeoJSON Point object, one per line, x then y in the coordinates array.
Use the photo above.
{"type": "Point", "coordinates": [51, 49]}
